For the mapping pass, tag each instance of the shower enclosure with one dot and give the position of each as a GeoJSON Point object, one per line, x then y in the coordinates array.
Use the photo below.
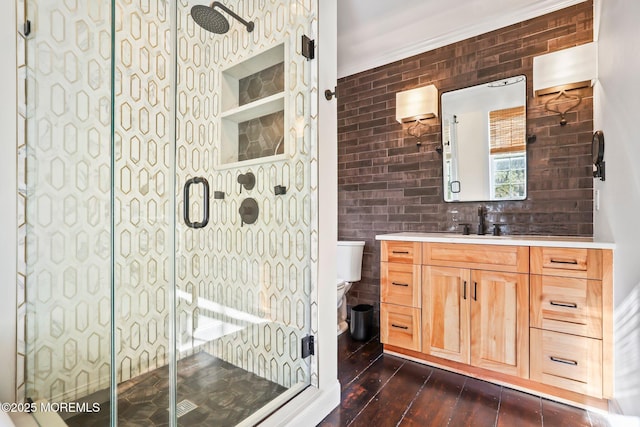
{"type": "Point", "coordinates": [169, 211]}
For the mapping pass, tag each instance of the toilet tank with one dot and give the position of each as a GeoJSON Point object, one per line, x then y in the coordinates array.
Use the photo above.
{"type": "Point", "coordinates": [349, 260]}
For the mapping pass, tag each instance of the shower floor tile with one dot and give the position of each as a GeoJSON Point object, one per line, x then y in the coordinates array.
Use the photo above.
{"type": "Point", "coordinates": [224, 394]}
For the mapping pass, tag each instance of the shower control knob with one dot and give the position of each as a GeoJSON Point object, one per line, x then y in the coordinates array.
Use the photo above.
{"type": "Point", "coordinates": [248, 211]}
{"type": "Point", "coordinates": [247, 180]}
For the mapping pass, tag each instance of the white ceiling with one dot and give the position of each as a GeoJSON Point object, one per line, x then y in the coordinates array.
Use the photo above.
{"type": "Point", "coordinates": [376, 32]}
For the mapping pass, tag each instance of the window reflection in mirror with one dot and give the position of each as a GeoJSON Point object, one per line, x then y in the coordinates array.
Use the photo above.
{"type": "Point", "coordinates": [484, 142]}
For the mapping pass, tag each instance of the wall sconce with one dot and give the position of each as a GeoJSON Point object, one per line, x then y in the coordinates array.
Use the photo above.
{"type": "Point", "coordinates": [416, 105]}
{"type": "Point", "coordinates": [562, 71]}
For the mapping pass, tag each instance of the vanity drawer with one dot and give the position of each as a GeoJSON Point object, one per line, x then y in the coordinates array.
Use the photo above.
{"type": "Point", "coordinates": [400, 284]}
{"type": "Point", "coordinates": [567, 262]}
{"type": "Point", "coordinates": [402, 252]}
{"type": "Point", "coordinates": [400, 326]}
{"type": "Point", "coordinates": [567, 361]}
{"type": "Point", "coordinates": [565, 304]}
{"type": "Point", "coordinates": [513, 259]}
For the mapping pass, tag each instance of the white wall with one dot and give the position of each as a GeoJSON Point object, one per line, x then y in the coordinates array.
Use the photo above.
{"type": "Point", "coordinates": [311, 406]}
{"type": "Point", "coordinates": [617, 108]}
{"type": "Point", "coordinates": [8, 222]}
{"type": "Point", "coordinates": [328, 194]}
{"type": "Point", "coordinates": [377, 32]}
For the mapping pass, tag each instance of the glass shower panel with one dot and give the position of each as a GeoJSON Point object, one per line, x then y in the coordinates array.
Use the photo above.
{"type": "Point", "coordinates": [244, 294]}
{"type": "Point", "coordinates": [144, 206]}
{"type": "Point", "coordinates": [64, 189]}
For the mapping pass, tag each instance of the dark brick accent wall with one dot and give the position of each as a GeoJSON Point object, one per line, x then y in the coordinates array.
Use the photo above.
{"type": "Point", "coordinates": [388, 184]}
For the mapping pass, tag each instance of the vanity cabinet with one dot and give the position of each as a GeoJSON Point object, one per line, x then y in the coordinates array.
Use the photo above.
{"type": "Point", "coordinates": [477, 317]}
{"type": "Point", "coordinates": [527, 313]}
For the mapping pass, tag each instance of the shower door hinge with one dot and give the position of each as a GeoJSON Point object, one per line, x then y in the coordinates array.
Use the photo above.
{"type": "Point", "coordinates": [308, 47]}
{"type": "Point", "coordinates": [308, 346]}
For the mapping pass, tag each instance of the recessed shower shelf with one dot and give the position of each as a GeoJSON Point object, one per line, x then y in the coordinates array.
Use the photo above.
{"type": "Point", "coordinates": [255, 87]}
{"type": "Point", "coordinates": [255, 109]}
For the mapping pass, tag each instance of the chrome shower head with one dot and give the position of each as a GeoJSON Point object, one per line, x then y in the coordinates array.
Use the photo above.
{"type": "Point", "coordinates": [212, 20]}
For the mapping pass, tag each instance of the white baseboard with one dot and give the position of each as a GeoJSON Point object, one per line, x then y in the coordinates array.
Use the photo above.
{"type": "Point", "coordinates": [307, 409]}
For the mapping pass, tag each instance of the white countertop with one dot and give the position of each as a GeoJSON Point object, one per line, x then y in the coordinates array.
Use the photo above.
{"type": "Point", "coordinates": [515, 240]}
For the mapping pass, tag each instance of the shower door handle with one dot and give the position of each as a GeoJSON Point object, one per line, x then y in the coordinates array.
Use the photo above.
{"type": "Point", "coordinates": [185, 211]}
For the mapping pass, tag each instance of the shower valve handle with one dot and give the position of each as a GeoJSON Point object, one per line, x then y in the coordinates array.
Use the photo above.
{"type": "Point", "coordinates": [248, 211]}
{"type": "Point", "coordinates": [247, 180]}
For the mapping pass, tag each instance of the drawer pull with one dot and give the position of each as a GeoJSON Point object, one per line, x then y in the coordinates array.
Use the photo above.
{"type": "Point", "coordinates": [560, 261]}
{"type": "Point", "coordinates": [564, 304]}
{"type": "Point", "coordinates": [565, 361]}
{"type": "Point", "coordinates": [406, 285]}
{"type": "Point", "coordinates": [400, 252]}
{"type": "Point", "coordinates": [399, 326]}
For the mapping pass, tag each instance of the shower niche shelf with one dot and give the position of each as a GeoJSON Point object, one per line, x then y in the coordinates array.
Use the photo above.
{"type": "Point", "coordinates": [255, 109]}
{"type": "Point", "coordinates": [253, 115]}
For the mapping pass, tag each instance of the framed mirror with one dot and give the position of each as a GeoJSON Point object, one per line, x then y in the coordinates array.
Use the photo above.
{"type": "Point", "coordinates": [484, 137]}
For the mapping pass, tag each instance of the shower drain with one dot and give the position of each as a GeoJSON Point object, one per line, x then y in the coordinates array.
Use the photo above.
{"type": "Point", "coordinates": [185, 407]}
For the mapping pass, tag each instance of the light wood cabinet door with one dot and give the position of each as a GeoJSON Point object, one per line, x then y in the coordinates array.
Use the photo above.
{"type": "Point", "coordinates": [445, 313]}
{"type": "Point", "coordinates": [499, 322]}
{"type": "Point", "coordinates": [566, 304]}
{"type": "Point", "coordinates": [401, 252]}
{"type": "Point", "coordinates": [514, 259]}
{"type": "Point", "coordinates": [400, 284]}
{"type": "Point", "coordinates": [400, 326]}
{"type": "Point", "coordinates": [567, 262]}
{"type": "Point", "coordinates": [567, 361]}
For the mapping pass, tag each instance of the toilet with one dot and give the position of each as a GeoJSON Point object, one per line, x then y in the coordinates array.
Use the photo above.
{"type": "Point", "coordinates": [349, 263]}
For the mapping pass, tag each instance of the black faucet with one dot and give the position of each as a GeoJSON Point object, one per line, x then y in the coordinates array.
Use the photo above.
{"type": "Point", "coordinates": [481, 213]}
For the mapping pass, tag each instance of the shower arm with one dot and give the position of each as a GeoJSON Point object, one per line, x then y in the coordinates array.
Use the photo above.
{"type": "Point", "coordinates": [247, 24]}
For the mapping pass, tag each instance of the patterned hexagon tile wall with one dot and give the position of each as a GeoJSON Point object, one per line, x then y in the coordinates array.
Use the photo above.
{"type": "Point", "coordinates": [265, 271]}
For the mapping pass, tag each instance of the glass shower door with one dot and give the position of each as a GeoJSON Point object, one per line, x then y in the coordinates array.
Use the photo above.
{"type": "Point", "coordinates": [245, 165]}
{"type": "Point", "coordinates": [143, 197]}
{"type": "Point", "coordinates": [214, 195]}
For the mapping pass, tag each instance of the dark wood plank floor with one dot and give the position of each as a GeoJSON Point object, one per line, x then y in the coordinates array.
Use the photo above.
{"type": "Point", "coordinates": [381, 390]}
